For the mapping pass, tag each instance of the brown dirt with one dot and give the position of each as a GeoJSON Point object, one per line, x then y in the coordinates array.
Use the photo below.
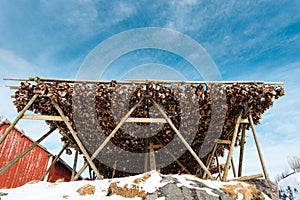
{"type": "Point", "coordinates": [87, 189]}
{"type": "Point", "coordinates": [125, 191]}
{"type": "Point", "coordinates": [249, 192]}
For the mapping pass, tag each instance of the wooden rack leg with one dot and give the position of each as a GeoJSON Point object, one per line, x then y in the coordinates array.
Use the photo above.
{"type": "Point", "coordinates": [152, 157]}
{"type": "Point", "coordinates": [258, 148]}
{"type": "Point", "coordinates": [242, 149]}
{"type": "Point", "coordinates": [20, 115]}
{"type": "Point", "coordinates": [176, 160]}
{"type": "Point", "coordinates": [183, 140]}
{"type": "Point", "coordinates": [233, 167]}
{"type": "Point", "coordinates": [211, 156]}
{"type": "Point", "coordinates": [218, 165]}
{"type": "Point", "coordinates": [236, 128]}
{"type": "Point", "coordinates": [8, 165]}
{"type": "Point", "coordinates": [146, 162]}
{"type": "Point", "coordinates": [74, 165]}
{"type": "Point", "coordinates": [54, 161]}
{"type": "Point", "coordinates": [74, 134]}
{"type": "Point", "coordinates": [109, 137]}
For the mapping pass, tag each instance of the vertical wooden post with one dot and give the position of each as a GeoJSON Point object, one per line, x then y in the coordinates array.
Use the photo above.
{"type": "Point", "coordinates": [236, 128]}
{"type": "Point", "coordinates": [258, 147]}
{"type": "Point", "coordinates": [20, 115]}
{"type": "Point", "coordinates": [21, 155]}
{"type": "Point", "coordinates": [242, 149]}
{"type": "Point", "coordinates": [183, 140]}
{"type": "Point", "coordinates": [74, 134]}
{"type": "Point", "coordinates": [109, 137]}
{"type": "Point", "coordinates": [210, 158]}
{"type": "Point", "coordinates": [233, 168]}
{"type": "Point", "coordinates": [55, 160]}
{"type": "Point", "coordinates": [74, 165]}
{"type": "Point", "coordinates": [146, 162]}
{"type": "Point", "coordinates": [152, 157]}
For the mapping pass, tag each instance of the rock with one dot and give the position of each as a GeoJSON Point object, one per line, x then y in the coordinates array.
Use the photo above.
{"type": "Point", "coordinates": [267, 187]}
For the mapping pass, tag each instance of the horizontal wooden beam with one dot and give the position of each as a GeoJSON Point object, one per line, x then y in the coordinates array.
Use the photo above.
{"type": "Point", "coordinates": [43, 117]}
{"type": "Point", "coordinates": [246, 178]}
{"type": "Point", "coordinates": [146, 120]}
{"type": "Point", "coordinates": [244, 121]}
{"type": "Point", "coordinates": [222, 141]}
{"type": "Point", "coordinates": [141, 81]}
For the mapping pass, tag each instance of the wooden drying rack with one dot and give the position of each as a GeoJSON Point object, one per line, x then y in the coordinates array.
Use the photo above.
{"type": "Point", "coordinates": [244, 117]}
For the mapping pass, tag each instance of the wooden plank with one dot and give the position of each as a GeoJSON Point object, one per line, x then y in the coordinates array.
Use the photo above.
{"type": "Point", "coordinates": [146, 120]}
{"type": "Point", "coordinates": [222, 141]}
{"type": "Point", "coordinates": [233, 167]}
{"type": "Point", "coordinates": [258, 148]}
{"type": "Point", "coordinates": [43, 117]}
{"type": "Point", "coordinates": [227, 164]}
{"type": "Point", "coordinates": [210, 158]}
{"type": "Point", "coordinates": [74, 165]}
{"type": "Point", "coordinates": [246, 178]}
{"type": "Point", "coordinates": [183, 140]}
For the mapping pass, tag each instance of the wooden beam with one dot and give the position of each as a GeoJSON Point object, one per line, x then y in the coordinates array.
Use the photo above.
{"type": "Point", "coordinates": [74, 165]}
{"type": "Point", "coordinates": [20, 115]}
{"type": "Point", "coordinates": [227, 164]}
{"type": "Point", "coordinates": [146, 120]}
{"type": "Point", "coordinates": [244, 121]}
{"type": "Point", "coordinates": [219, 141]}
{"type": "Point", "coordinates": [233, 167]}
{"type": "Point", "coordinates": [141, 81]}
{"type": "Point", "coordinates": [210, 158]}
{"type": "Point", "coordinates": [152, 157]}
{"type": "Point", "coordinates": [242, 149]}
{"type": "Point", "coordinates": [43, 117]}
{"type": "Point", "coordinates": [258, 147]}
{"type": "Point", "coordinates": [109, 137]}
{"type": "Point", "coordinates": [76, 138]}
{"type": "Point", "coordinates": [21, 155]}
{"type": "Point", "coordinates": [246, 178]}
{"type": "Point", "coordinates": [54, 161]}
{"type": "Point", "coordinates": [183, 140]}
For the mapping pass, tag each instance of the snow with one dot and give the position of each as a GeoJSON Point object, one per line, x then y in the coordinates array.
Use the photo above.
{"type": "Point", "coordinates": [148, 182]}
{"type": "Point", "coordinates": [3, 120]}
{"type": "Point", "coordinates": [292, 182]}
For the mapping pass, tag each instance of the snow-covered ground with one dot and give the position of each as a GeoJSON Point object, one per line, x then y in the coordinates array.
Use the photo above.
{"type": "Point", "coordinates": [132, 187]}
{"type": "Point", "coordinates": [290, 187]}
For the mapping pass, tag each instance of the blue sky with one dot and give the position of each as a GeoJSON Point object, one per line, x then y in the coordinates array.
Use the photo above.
{"type": "Point", "coordinates": [247, 40]}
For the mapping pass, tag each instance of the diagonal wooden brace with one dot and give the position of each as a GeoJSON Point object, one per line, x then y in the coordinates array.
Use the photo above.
{"type": "Point", "coordinates": [74, 134]}
{"type": "Point", "coordinates": [183, 140]}
{"type": "Point", "coordinates": [104, 143]}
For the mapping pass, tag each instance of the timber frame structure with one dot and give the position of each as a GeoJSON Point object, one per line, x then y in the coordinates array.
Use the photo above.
{"type": "Point", "coordinates": [244, 117]}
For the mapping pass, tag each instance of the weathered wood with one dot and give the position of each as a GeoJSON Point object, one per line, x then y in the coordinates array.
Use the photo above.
{"type": "Point", "coordinates": [244, 121]}
{"type": "Point", "coordinates": [236, 128]}
{"type": "Point", "coordinates": [146, 120]}
{"type": "Point", "coordinates": [43, 117]}
{"type": "Point", "coordinates": [211, 156]}
{"type": "Point", "coordinates": [242, 149]}
{"type": "Point", "coordinates": [258, 147]}
{"type": "Point", "coordinates": [21, 155]}
{"type": "Point", "coordinates": [141, 81]}
{"type": "Point", "coordinates": [109, 137]}
{"type": "Point", "coordinates": [222, 141]}
{"type": "Point", "coordinates": [74, 134]}
{"type": "Point", "coordinates": [54, 161]}
{"type": "Point", "coordinates": [246, 178]}
{"type": "Point", "coordinates": [183, 140]}
{"type": "Point", "coordinates": [20, 115]}
{"type": "Point", "coordinates": [233, 167]}
{"type": "Point", "coordinates": [152, 157]}
{"type": "Point", "coordinates": [74, 165]}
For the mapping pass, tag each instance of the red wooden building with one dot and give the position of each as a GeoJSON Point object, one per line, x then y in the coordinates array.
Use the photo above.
{"type": "Point", "coordinates": [32, 166]}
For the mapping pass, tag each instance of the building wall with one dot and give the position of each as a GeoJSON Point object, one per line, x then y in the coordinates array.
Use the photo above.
{"type": "Point", "coordinates": [32, 166]}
